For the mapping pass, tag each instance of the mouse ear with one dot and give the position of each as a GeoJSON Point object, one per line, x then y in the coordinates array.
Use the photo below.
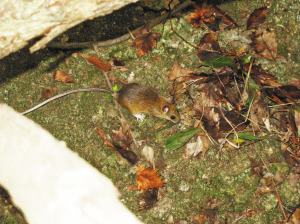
{"type": "Point", "coordinates": [166, 109]}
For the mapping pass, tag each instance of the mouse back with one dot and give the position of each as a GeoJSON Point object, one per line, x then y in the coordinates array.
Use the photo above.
{"type": "Point", "coordinates": [137, 98]}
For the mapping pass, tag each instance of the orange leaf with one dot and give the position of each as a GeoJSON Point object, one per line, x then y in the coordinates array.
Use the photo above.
{"type": "Point", "coordinates": [62, 77]}
{"type": "Point", "coordinates": [98, 62]}
{"type": "Point", "coordinates": [147, 178]}
{"type": "Point", "coordinates": [145, 40]}
{"type": "Point", "coordinates": [201, 15]}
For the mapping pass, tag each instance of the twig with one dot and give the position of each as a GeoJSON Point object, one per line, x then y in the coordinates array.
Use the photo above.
{"type": "Point", "coordinates": [247, 78]}
{"type": "Point", "coordinates": [116, 103]}
{"type": "Point", "coordinates": [82, 45]}
{"type": "Point", "coordinates": [182, 37]}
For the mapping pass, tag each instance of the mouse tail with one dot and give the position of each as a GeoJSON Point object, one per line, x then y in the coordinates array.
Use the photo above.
{"type": "Point", "coordinates": [64, 94]}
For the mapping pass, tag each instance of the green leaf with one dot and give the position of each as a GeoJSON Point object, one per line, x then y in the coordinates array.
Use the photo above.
{"type": "Point", "coordinates": [239, 141]}
{"type": "Point", "coordinates": [107, 95]}
{"type": "Point", "coordinates": [180, 139]}
{"type": "Point", "coordinates": [247, 60]}
{"type": "Point", "coordinates": [115, 88]}
{"type": "Point", "coordinates": [251, 137]}
{"type": "Point", "coordinates": [219, 61]}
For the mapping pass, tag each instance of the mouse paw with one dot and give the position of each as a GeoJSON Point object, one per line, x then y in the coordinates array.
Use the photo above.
{"type": "Point", "coordinates": [139, 116]}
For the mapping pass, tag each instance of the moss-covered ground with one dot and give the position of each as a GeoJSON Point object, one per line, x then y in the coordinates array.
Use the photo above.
{"type": "Point", "coordinates": [224, 177]}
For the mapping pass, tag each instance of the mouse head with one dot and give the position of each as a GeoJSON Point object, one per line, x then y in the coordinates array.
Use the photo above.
{"type": "Point", "coordinates": [169, 112]}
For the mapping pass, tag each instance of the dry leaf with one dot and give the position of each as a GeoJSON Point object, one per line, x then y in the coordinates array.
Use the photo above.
{"type": "Point", "coordinates": [47, 93]}
{"type": "Point", "coordinates": [147, 178]}
{"type": "Point", "coordinates": [264, 43]}
{"type": "Point", "coordinates": [264, 189]}
{"type": "Point", "coordinates": [145, 40]}
{"type": "Point", "coordinates": [132, 188]}
{"type": "Point", "coordinates": [180, 74]}
{"type": "Point", "coordinates": [123, 134]}
{"type": "Point", "coordinates": [105, 139]}
{"type": "Point", "coordinates": [204, 15]}
{"type": "Point", "coordinates": [261, 77]}
{"type": "Point", "coordinates": [172, 5]}
{"type": "Point", "coordinates": [98, 62]}
{"type": "Point", "coordinates": [279, 177]}
{"type": "Point", "coordinates": [200, 145]}
{"type": "Point", "coordinates": [118, 62]}
{"type": "Point", "coordinates": [62, 77]}
{"type": "Point", "coordinates": [150, 198]}
{"type": "Point", "coordinates": [211, 38]}
{"type": "Point", "coordinates": [297, 119]}
{"type": "Point", "coordinates": [288, 155]}
{"type": "Point", "coordinates": [258, 112]}
{"type": "Point", "coordinates": [295, 218]}
{"type": "Point", "coordinates": [224, 17]}
{"type": "Point", "coordinates": [129, 155]}
{"type": "Point", "coordinates": [148, 154]}
{"type": "Point", "coordinates": [257, 18]}
{"type": "Point", "coordinates": [293, 179]}
{"type": "Point", "coordinates": [187, 116]}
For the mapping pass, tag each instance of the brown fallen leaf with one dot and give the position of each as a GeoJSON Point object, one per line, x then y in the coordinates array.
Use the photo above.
{"type": "Point", "coordinates": [129, 155]}
{"type": "Point", "coordinates": [260, 76]}
{"type": "Point", "coordinates": [295, 217]}
{"type": "Point", "coordinates": [150, 198]}
{"type": "Point", "coordinates": [147, 178]}
{"type": "Point", "coordinates": [230, 119]}
{"type": "Point", "coordinates": [258, 112]}
{"type": "Point", "coordinates": [257, 169]}
{"type": "Point", "coordinates": [264, 43]}
{"type": "Point", "coordinates": [118, 62]}
{"type": "Point", "coordinates": [98, 62]}
{"type": "Point", "coordinates": [279, 177]}
{"type": "Point", "coordinates": [123, 81]}
{"type": "Point", "coordinates": [284, 94]}
{"type": "Point", "coordinates": [132, 188]}
{"type": "Point", "coordinates": [224, 17]}
{"type": "Point", "coordinates": [123, 134]}
{"type": "Point", "coordinates": [257, 18]}
{"type": "Point", "coordinates": [180, 74]}
{"type": "Point", "coordinates": [293, 179]}
{"type": "Point", "coordinates": [62, 77]}
{"type": "Point", "coordinates": [289, 155]}
{"type": "Point", "coordinates": [170, 4]}
{"type": "Point", "coordinates": [105, 139]}
{"type": "Point", "coordinates": [264, 189]}
{"type": "Point", "coordinates": [145, 40]}
{"type": "Point", "coordinates": [47, 93]}
{"type": "Point", "coordinates": [201, 144]}
{"type": "Point", "coordinates": [211, 38]}
{"type": "Point", "coordinates": [204, 15]}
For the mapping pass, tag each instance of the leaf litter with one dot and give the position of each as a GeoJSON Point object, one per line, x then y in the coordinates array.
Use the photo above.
{"type": "Point", "coordinates": [238, 99]}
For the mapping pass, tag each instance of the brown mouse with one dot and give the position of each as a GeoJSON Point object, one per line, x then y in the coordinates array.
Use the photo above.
{"type": "Point", "coordinates": [136, 98]}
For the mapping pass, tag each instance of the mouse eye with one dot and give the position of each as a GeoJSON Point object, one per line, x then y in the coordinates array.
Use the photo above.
{"type": "Point", "coordinates": [172, 117]}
